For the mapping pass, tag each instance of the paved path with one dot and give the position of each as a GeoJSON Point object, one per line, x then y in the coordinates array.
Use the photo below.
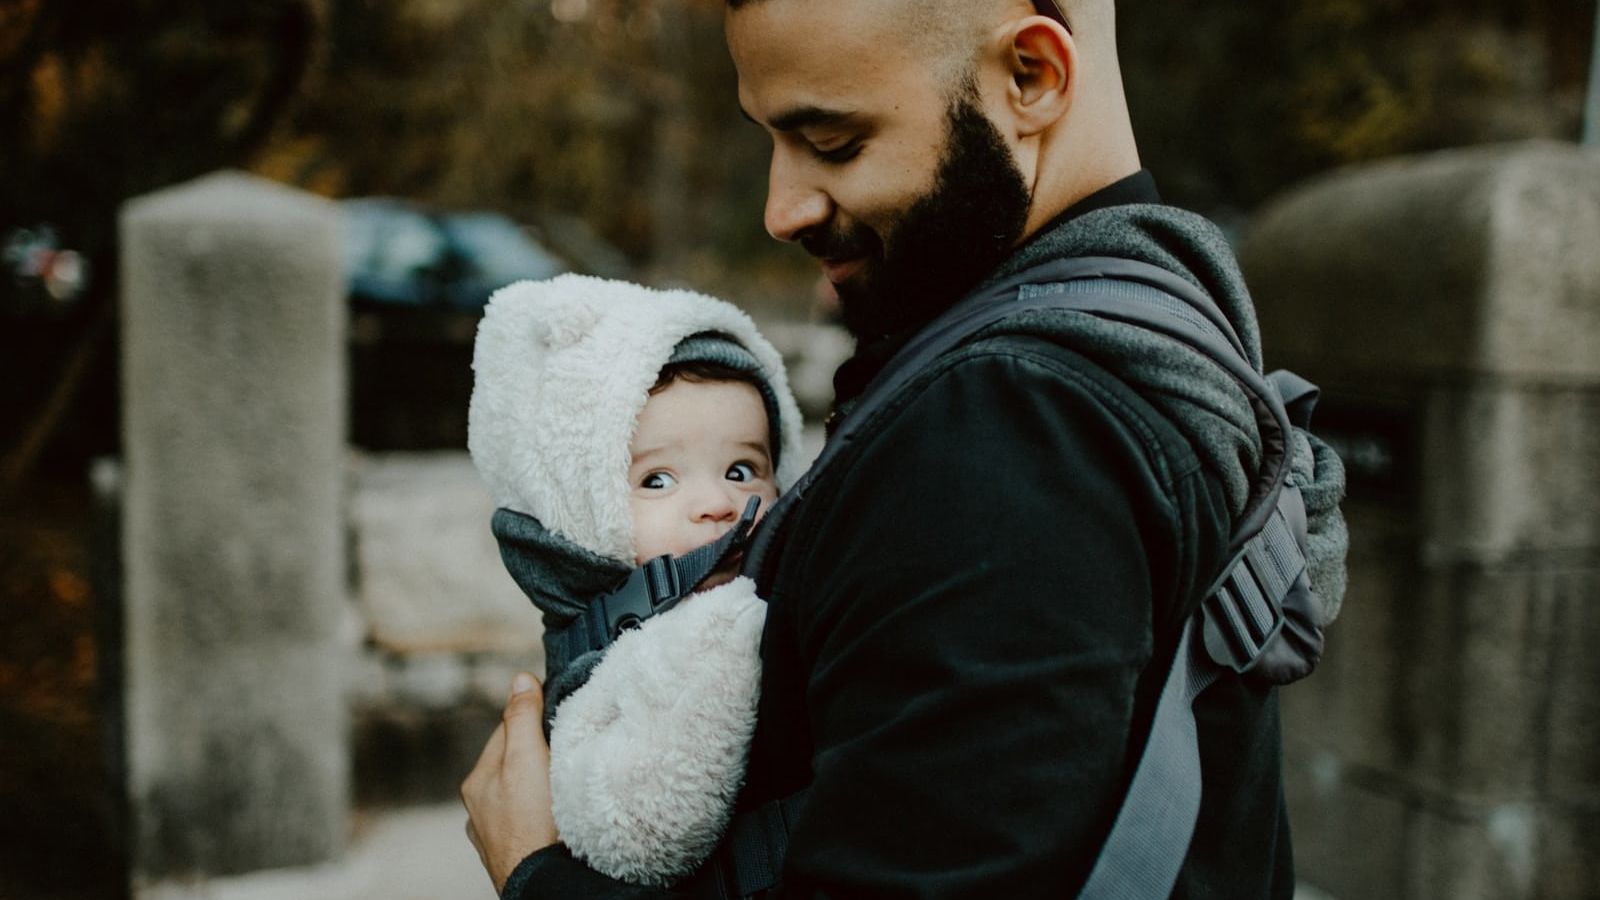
{"type": "Point", "coordinates": [418, 853]}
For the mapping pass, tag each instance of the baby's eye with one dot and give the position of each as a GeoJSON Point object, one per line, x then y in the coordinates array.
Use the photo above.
{"type": "Point", "coordinates": [741, 472]}
{"type": "Point", "coordinates": [657, 481]}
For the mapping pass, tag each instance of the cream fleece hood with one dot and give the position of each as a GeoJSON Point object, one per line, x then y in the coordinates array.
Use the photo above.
{"type": "Point", "coordinates": [561, 371]}
{"type": "Point", "coordinates": [648, 747]}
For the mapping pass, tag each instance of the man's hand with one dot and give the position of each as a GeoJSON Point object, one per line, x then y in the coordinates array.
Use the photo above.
{"type": "Point", "coordinates": [507, 794]}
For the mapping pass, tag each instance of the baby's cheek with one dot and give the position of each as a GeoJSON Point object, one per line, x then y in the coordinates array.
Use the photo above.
{"type": "Point", "coordinates": [650, 538]}
{"type": "Point", "coordinates": [769, 496]}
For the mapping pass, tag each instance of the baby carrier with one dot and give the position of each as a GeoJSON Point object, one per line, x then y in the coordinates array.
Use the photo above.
{"type": "Point", "coordinates": [1258, 618]}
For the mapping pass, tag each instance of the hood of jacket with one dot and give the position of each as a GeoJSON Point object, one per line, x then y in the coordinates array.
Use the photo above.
{"type": "Point", "coordinates": [1196, 394]}
{"type": "Point", "coordinates": [1205, 403]}
{"type": "Point", "coordinates": [561, 370]}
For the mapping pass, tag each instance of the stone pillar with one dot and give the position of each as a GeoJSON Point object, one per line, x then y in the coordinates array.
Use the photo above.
{"type": "Point", "coordinates": [1450, 306]}
{"type": "Point", "coordinates": [233, 330]}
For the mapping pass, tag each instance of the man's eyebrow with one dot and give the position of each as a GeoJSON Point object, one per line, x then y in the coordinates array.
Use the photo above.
{"type": "Point", "coordinates": [803, 117]}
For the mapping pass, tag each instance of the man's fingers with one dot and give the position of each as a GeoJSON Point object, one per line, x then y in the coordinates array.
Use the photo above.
{"type": "Point", "coordinates": [523, 687]}
{"type": "Point", "coordinates": [524, 722]}
{"type": "Point", "coordinates": [524, 707]}
{"type": "Point", "coordinates": [494, 751]}
{"type": "Point", "coordinates": [507, 794]}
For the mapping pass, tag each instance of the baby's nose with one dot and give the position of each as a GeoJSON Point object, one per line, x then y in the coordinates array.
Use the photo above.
{"type": "Point", "coordinates": [717, 506]}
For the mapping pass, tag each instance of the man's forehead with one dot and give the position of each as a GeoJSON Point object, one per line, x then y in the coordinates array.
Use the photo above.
{"type": "Point", "coordinates": [803, 60]}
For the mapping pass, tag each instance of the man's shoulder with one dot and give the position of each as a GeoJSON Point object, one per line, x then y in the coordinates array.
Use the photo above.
{"type": "Point", "coordinates": [1007, 381]}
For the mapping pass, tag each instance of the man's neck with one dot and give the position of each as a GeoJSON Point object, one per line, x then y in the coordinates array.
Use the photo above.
{"type": "Point", "coordinates": [1048, 209]}
{"type": "Point", "coordinates": [1138, 186]}
{"type": "Point", "coordinates": [1083, 154]}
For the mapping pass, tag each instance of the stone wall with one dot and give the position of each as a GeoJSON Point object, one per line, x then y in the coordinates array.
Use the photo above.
{"type": "Point", "coordinates": [1450, 307]}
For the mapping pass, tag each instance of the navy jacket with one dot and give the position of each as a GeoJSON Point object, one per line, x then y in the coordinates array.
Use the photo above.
{"type": "Point", "coordinates": [971, 617]}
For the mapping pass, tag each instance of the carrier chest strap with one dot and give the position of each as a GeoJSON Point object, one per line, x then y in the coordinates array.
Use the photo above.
{"type": "Point", "coordinates": [651, 589]}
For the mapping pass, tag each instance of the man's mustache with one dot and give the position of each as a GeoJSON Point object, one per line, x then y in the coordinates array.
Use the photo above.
{"type": "Point", "coordinates": [836, 244]}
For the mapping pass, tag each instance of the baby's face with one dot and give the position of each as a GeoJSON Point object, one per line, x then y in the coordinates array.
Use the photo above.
{"type": "Point", "coordinates": [700, 452]}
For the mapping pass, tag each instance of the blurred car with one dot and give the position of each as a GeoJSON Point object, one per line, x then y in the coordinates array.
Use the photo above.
{"type": "Point", "coordinates": [398, 253]}
{"type": "Point", "coordinates": [37, 274]}
{"type": "Point", "coordinates": [418, 279]}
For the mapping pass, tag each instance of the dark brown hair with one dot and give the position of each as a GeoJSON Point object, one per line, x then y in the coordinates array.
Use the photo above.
{"type": "Point", "coordinates": [702, 372]}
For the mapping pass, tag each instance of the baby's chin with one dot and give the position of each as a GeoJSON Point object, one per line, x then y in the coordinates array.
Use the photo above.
{"type": "Point", "coordinates": [716, 580]}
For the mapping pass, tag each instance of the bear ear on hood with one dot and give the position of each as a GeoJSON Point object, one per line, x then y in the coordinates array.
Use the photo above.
{"type": "Point", "coordinates": [562, 319]}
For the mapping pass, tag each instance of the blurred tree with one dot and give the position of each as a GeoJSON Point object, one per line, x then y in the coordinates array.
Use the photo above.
{"type": "Point", "coordinates": [1237, 101]}
{"type": "Point", "coordinates": [620, 114]}
{"type": "Point", "coordinates": [623, 113]}
{"type": "Point", "coordinates": [106, 100]}
{"type": "Point", "coordinates": [113, 98]}
{"type": "Point", "coordinates": [100, 101]}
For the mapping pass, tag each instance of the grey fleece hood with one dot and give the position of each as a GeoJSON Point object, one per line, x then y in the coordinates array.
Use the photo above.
{"type": "Point", "coordinates": [1196, 394]}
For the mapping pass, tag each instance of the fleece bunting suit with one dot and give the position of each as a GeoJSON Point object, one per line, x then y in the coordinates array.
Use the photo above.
{"type": "Point", "coordinates": [647, 756]}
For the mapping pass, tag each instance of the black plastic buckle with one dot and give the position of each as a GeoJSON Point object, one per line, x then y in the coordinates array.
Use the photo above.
{"type": "Point", "coordinates": [652, 588]}
{"type": "Point", "coordinates": [1240, 616]}
{"type": "Point", "coordinates": [647, 587]}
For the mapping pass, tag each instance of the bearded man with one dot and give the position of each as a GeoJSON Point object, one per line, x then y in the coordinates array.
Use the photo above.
{"type": "Point", "coordinates": [973, 609]}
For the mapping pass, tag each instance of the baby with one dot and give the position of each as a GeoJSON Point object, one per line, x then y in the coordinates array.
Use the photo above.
{"type": "Point", "coordinates": [615, 424]}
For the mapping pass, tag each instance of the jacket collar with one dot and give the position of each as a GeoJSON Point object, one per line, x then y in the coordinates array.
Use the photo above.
{"type": "Point", "coordinates": [1140, 187]}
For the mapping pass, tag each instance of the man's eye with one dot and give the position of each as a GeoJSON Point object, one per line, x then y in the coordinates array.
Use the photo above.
{"type": "Point", "coordinates": [741, 472]}
{"type": "Point", "coordinates": [657, 481]}
{"type": "Point", "coordinates": [841, 154]}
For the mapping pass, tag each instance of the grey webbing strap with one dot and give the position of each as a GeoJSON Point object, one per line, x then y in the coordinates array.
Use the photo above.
{"type": "Point", "coordinates": [1150, 838]}
{"type": "Point", "coordinates": [651, 589]}
{"type": "Point", "coordinates": [1299, 396]}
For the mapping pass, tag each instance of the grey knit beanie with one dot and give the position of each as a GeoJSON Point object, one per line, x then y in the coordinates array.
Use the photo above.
{"type": "Point", "coordinates": [721, 349]}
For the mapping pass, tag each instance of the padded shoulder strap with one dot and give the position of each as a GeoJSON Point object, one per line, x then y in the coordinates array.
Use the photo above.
{"type": "Point", "coordinates": [1150, 838]}
{"type": "Point", "coordinates": [1097, 285]}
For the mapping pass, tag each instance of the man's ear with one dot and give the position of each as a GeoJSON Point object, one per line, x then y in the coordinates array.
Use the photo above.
{"type": "Point", "coordinates": [1044, 74]}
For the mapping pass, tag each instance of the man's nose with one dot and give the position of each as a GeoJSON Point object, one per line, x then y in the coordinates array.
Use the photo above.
{"type": "Point", "coordinates": [793, 204]}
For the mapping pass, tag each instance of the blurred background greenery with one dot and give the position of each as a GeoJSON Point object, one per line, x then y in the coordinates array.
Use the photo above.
{"type": "Point", "coordinates": [623, 115]}
{"type": "Point", "coordinates": [602, 123]}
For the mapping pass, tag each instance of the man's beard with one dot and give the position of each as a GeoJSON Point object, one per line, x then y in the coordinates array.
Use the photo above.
{"type": "Point", "coordinates": [947, 242]}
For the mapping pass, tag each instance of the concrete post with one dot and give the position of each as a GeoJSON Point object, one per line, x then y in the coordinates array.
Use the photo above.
{"type": "Point", "coordinates": [233, 397]}
{"type": "Point", "coordinates": [1591, 107]}
{"type": "Point", "coordinates": [1450, 306]}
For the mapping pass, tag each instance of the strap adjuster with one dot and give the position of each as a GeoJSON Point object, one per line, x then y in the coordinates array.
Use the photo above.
{"type": "Point", "coordinates": [1243, 613]}
{"type": "Point", "coordinates": [647, 588]}
{"type": "Point", "coordinates": [654, 587]}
